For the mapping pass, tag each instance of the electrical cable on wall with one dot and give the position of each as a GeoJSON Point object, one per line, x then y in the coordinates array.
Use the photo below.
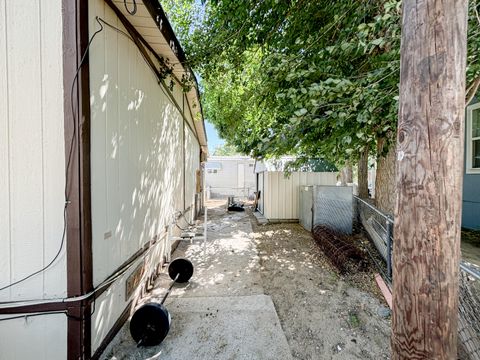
{"type": "Point", "coordinates": [100, 21]}
{"type": "Point", "coordinates": [134, 10]}
{"type": "Point", "coordinates": [70, 155]}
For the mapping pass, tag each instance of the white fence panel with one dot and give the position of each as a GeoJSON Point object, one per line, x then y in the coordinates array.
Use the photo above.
{"type": "Point", "coordinates": [282, 193]}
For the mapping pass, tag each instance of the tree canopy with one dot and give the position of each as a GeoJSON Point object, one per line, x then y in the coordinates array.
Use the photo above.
{"type": "Point", "coordinates": [225, 150]}
{"type": "Point", "coordinates": [310, 78]}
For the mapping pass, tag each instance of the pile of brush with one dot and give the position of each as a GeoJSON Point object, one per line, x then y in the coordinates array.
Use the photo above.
{"type": "Point", "coordinates": [339, 248]}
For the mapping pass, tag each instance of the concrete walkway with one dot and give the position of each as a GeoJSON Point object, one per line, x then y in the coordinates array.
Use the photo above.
{"type": "Point", "coordinates": [223, 312]}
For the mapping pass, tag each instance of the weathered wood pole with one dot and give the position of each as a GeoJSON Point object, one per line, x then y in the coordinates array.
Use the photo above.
{"type": "Point", "coordinates": [429, 167]}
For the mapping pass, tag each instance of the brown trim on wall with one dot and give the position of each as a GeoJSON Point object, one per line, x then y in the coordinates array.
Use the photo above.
{"type": "Point", "coordinates": [136, 38]}
{"type": "Point", "coordinates": [158, 15]}
{"type": "Point", "coordinates": [64, 305]}
{"type": "Point", "coordinates": [160, 18]}
{"type": "Point", "coordinates": [126, 312]}
{"type": "Point", "coordinates": [113, 331]}
{"type": "Point", "coordinates": [77, 138]}
{"type": "Point", "coordinates": [143, 46]}
{"type": "Point", "coordinates": [37, 308]}
{"type": "Point", "coordinates": [101, 289]}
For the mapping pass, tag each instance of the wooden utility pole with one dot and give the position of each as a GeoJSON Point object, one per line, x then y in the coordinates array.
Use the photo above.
{"type": "Point", "coordinates": [429, 167]}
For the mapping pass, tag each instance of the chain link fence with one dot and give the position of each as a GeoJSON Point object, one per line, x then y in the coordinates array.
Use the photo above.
{"type": "Point", "coordinates": [469, 313]}
{"type": "Point", "coordinates": [239, 193]}
{"type": "Point", "coordinates": [378, 228]}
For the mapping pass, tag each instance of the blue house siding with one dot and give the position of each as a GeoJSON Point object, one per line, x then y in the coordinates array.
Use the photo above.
{"type": "Point", "coordinates": [471, 194]}
{"type": "Point", "coordinates": [471, 202]}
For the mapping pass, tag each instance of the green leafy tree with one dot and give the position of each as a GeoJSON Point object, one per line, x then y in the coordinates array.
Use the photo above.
{"type": "Point", "coordinates": [315, 79]}
{"type": "Point", "coordinates": [225, 150]}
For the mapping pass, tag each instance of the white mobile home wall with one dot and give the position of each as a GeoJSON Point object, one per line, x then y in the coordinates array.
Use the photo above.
{"type": "Point", "coordinates": [235, 177]}
{"type": "Point", "coordinates": [32, 175]}
{"type": "Point", "coordinates": [140, 146]}
{"type": "Point", "coordinates": [281, 194]}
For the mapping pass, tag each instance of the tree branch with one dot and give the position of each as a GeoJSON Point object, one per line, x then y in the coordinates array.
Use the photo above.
{"type": "Point", "coordinates": [472, 90]}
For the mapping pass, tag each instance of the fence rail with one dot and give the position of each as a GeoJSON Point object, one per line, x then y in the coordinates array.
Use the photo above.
{"type": "Point", "coordinates": [379, 228]}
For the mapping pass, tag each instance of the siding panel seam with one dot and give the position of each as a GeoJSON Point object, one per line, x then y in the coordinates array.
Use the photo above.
{"type": "Point", "coordinates": [8, 152]}
{"type": "Point", "coordinates": [42, 151]}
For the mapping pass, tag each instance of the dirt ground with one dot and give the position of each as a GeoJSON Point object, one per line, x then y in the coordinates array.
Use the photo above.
{"type": "Point", "coordinates": [264, 292]}
{"type": "Point", "coordinates": [324, 315]}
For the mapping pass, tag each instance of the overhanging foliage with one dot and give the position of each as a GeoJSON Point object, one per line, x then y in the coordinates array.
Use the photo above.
{"type": "Point", "coordinates": [315, 79]}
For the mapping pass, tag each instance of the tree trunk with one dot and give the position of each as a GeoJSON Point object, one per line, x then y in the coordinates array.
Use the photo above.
{"type": "Point", "coordinates": [429, 170]}
{"type": "Point", "coordinates": [363, 174]}
{"type": "Point", "coordinates": [385, 190]}
{"type": "Point", "coordinates": [346, 175]}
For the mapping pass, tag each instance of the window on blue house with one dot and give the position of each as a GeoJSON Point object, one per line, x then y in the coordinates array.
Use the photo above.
{"type": "Point", "coordinates": [473, 139]}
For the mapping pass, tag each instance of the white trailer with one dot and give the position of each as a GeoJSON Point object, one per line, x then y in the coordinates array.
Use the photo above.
{"type": "Point", "coordinates": [101, 143]}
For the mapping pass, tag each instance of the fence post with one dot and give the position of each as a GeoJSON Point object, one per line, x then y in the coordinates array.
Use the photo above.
{"type": "Point", "coordinates": [389, 247]}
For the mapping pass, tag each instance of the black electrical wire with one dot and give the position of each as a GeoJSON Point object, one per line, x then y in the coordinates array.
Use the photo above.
{"type": "Point", "coordinates": [26, 316]}
{"type": "Point", "coordinates": [163, 87]}
{"type": "Point", "coordinates": [134, 10]}
{"type": "Point", "coordinates": [72, 143]}
{"type": "Point", "coordinates": [185, 219]}
{"type": "Point", "coordinates": [178, 226]}
{"type": "Point", "coordinates": [32, 315]}
{"type": "Point", "coordinates": [70, 155]}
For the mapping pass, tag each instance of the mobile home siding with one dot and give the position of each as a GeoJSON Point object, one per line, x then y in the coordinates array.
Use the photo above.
{"type": "Point", "coordinates": [281, 193]}
{"type": "Point", "coordinates": [31, 148]}
{"type": "Point", "coordinates": [236, 176]}
{"type": "Point", "coordinates": [38, 337]}
{"type": "Point", "coordinates": [138, 143]}
{"type": "Point", "coordinates": [192, 164]}
{"type": "Point", "coordinates": [32, 157]}
{"type": "Point", "coordinates": [136, 140]}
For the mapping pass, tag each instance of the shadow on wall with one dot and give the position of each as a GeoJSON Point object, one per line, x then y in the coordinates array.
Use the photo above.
{"type": "Point", "coordinates": [136, 168]}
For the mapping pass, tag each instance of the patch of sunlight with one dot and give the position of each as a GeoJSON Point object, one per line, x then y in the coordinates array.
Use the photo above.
{"type": "Point", "coordinates": [118, 229]}
{"type": "Point", "coordinates": [114, 142]}
{"type": "Point", "coordinates": [134, 195]}
{"type": "Point", "coordinates": [141, 96]}
{"type": "Point", "coordinates": [237, 244]}
{"type": "Point", "coordinates": [156, 356]}
{"type": "Point", "coordinates": [103, 90]}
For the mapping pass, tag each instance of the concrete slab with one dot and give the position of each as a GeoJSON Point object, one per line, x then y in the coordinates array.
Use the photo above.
{"type": "Point", "coordinates": [222, 313]}
{"type": "Point", "coordinates": [227, 268]}
{"type": "Point", "coordinates": [261, 220]}
{"type": "Point", "coordinates": [243, 327]}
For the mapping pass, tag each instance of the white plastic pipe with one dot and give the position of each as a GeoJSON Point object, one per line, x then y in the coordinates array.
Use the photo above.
{"type": "Point", "coordinates": [205, 214]}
